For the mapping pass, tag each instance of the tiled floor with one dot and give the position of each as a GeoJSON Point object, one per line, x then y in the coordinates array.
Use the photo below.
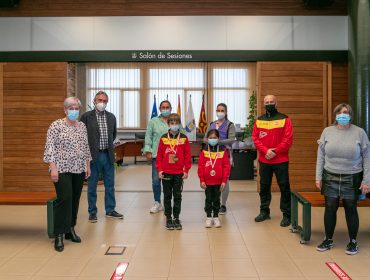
{"type": "Point", "coordinates": [241, 249]}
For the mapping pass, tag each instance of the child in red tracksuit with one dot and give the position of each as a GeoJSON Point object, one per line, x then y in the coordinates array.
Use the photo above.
{"type": "Point", "coordinates": [213, 172]}
{"type": "Point", "coordinates": [173, 165]}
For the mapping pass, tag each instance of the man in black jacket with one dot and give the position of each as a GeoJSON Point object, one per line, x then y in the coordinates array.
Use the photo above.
{"type": "Point", "coordinates": [102, 130]}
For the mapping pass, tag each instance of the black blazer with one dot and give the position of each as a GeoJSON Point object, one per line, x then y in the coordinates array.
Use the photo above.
{"type": "Point", "coordinates": [93, 133]}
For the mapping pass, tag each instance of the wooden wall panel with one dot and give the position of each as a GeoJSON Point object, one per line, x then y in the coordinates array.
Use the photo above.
{"type": "Point", "coordinates": [33, 98]}
{"type": "Point", "coordinates": [301, 90]}
{"type": "Point", "coordinates": [168, 8]}
{"type": "Point", "coordinates": [339, 81]}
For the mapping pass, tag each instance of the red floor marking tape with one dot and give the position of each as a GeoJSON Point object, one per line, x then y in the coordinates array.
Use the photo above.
{"type": "Point", "coordinates": [338, 271]}
{"type": "Point", "coordinates": [119, 272]}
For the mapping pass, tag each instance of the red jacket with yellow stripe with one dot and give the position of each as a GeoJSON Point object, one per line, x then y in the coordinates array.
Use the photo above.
{"type": "Point", "coordinates": [221, 166]}
{"type": "Point", "coordinates": [274, 131]}
{"type": "Point", "coordinates": [180, 148]}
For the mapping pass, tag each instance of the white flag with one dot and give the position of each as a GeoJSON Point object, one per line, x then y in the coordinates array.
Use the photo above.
{"type": "Point", "coordinates": [190, 127]}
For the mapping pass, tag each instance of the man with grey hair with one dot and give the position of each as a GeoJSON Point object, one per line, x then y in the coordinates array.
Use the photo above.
{"type": "Point", "coordinates": [273, 136]}
{"type": "Point", "coordinates": [102, 130]}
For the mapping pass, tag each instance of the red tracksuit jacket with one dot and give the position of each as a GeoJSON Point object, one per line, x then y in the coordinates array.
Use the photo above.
{"type": "Point", "coordinates": [221, 167]}
{"type": "Point", "coordinates": [273, 132]}
{"type": "Point", "coordinates": [182, 148]}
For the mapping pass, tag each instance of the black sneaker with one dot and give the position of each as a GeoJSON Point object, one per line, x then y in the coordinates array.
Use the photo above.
{"type": "Point", "coordinates": [93, 218]}
{"type": "Point", "coordinates": [285, 221]}
{"type": "Point", "coordinates": [169, 224]}
{"type": "Point", "coordinates": [327, 244]}
{"type": "Point", "coordinates": [222, 210]}
{"type": "Point", "coordinates": [352, 247]}
{"type": "Point", "coordinates": [177, 224]}
{"type": "Point", "coordinates": [114, 214]}
{"type": "Point", "coordinates": [261, 217]}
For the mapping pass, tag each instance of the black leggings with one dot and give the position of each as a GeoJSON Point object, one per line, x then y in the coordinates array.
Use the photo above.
{"type": "Point", "coordinates": [330, 216]}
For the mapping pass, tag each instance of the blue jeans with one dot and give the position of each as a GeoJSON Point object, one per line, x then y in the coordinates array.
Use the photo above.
{"type": "Point", "coordinates": [156, 182]}
{"type": "Point", "coordinates": [102, 165]}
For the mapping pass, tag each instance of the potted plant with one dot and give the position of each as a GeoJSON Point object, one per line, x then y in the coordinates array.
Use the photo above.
{"type": "Point", "coordinates": [250, 120]}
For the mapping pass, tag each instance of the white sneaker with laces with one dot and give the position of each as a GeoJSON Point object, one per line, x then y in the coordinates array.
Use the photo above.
{"type": "Point", "coordinates": [217, 222]}
{"type": "Point", "coordinates": [209, 222]}
{"type": "Point", "coordinates": [156, 208]}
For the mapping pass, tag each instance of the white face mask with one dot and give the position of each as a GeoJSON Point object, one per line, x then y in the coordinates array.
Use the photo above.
{"type": "Point", "coordinates": [101, 106]}
{"type": "Point", "coordinates": [220, 115]}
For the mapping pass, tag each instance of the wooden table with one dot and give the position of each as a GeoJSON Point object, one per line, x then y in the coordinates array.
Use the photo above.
{"type": "Point", "coordinates": [128, 148]}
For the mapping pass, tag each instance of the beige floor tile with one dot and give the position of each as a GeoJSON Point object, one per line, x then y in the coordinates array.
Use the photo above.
{"type": "Point", "coordinates": [221, 251]}
{"type": "Point", "coordinates": [191, 238]}
{"type": "Point", "coordinates": [15, 277]}
{"type": "Point", "coordinates": [190, 278]}
{"type": "Point", "coordinates": [153, 252]}
{"type": "Point", "coordinates": [263, 249]}
{"type": "Point", "coordinates": [148, 268]}
{"type": "Point", "coordinates": [12, 248]}
{"type": "Point", "coordinates": [235, 278]}
{"type": "Point", "coordinates": [63, 266]}
{"type": "Point", "coordinates": [52, 278]}
{"type": "Point", "coordinates": [137, 278]}
{"type": "Point", "coordinates": [276, 267]}
{"type": "Point", "coordinates": [22, 266]}
{"type": "Point", "coordinates": [191, 268]}
{"type": "Point", "coordinates": [191, 252]}
{"type": "Point", "coordinates": [38, 249]}
{"type": "Point", "coordinates": [283, 278]}
{"type": "Point", "coordinates": [233, 268]}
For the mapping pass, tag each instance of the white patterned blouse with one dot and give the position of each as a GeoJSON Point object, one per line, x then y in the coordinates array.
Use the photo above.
{"type": "Point", "coordinates": [67, 146]}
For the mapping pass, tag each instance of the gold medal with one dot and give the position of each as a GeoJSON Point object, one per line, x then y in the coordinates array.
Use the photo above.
{"type": "Point", "coordinates": [212, 172]}
{"type": "Point", "coordinates": [175, 159]}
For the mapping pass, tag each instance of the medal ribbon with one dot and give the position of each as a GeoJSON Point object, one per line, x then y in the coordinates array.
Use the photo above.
{"type": "Point", "coordinates": [210, 157]}
{"type": "Point", "coordinates": [172, 147]}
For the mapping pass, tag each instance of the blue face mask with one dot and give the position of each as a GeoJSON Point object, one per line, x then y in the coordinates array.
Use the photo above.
{"type": "Point", "coordinates": [72, 114]}
{"type": "Point", "coordinates": [165, 113]}
{"type": "Point", "coordinates": [343, 119]}
{"type": "Point", "coordinates": [174, 127]}
{"type": "Point", "coordinates": [213, 142]}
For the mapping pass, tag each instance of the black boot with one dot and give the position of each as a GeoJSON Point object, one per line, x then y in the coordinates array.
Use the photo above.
{"type": "Point", "coordinates": [58, 243]}
{"type": "Point", "coordinates": [73, 236]}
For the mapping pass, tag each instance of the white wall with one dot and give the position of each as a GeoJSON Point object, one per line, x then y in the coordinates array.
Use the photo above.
{"type": "Point", "coordinates": [174, 33]}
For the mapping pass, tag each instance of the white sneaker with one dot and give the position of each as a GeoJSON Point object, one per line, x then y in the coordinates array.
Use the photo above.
{"type": "Point", "coordinates": [217, 222]}
{"type": "Point", "coordinates": [156, 208]}
{"type": "Point", "coordinates": [209, 222]}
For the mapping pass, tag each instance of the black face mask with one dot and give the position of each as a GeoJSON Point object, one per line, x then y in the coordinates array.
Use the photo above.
{"type": "Point", "coordinates": [270, 108]}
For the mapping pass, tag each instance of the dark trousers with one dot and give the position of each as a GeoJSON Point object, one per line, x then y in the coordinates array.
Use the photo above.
{"type": "Point", "coordinates": [213, 194]}
{"type": "Point", "coordinates": [172, 186]}
{"type": "Point", "coordinates": [281, 171]}
{"type": "Point", "coordinates": [68, 189]}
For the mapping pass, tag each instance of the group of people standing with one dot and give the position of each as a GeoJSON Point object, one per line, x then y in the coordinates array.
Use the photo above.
{"type": "Point", "coordinates": [77, 150]}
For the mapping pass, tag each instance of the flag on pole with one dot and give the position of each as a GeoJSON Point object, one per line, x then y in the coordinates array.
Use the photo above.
{"type": "Point", "coordinates": [202, 125]}
{"type": "Point", "coordinates": [154, 110]}
{"type": "Point", "coordinates": [190, 128]}
{"type": "Point", "coordinates": [178, 106]}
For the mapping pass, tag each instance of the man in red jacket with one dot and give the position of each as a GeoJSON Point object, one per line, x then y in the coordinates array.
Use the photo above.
{"type": "Point", "coordinates": [273, 136]}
